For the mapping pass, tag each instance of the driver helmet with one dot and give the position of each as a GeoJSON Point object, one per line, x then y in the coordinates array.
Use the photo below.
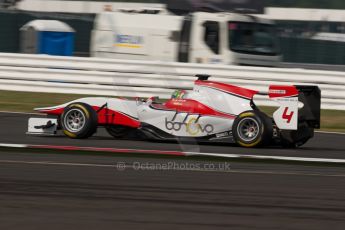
{"type": "Point", "coordinates": [178, 94]}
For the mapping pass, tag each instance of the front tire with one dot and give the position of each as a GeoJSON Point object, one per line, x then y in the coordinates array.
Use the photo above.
{"type": "Point", "coordinates": [79, 121]}
{"type": "Point", "coordinates": [252, 129]}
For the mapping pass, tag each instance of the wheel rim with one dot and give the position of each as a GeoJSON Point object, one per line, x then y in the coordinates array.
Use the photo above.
{"type": "Point", "coordinates": [74, 120]}
{"type": "Point", "coordinates": [248, 129]}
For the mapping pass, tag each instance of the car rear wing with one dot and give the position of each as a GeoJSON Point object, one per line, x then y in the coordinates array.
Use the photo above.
{"type": "Point", "coordinates": [310, 96]}
{"type": "Point", "coordinates": [290, 114]}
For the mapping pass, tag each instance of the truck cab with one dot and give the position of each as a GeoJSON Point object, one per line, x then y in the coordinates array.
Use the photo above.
{"type": "Point", "coordinates": [231, 38]}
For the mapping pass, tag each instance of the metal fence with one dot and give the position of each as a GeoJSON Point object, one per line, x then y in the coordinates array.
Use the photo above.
{"type": "Point", "coordinates": [96, 76]}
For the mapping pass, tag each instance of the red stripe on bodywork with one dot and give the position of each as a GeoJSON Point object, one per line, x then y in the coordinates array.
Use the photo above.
{"type": "Point", "coordinates": [195, 107]}
{"type": "Point", "coordinates": [236, 90]}
{"type": "Point", "coordinates": [282, 91]}
{"type": "Point", "coordinates": [105, 117]}
{"type": "Point", "coordinates": [56, 112]}
{"type": "Point", "coordinates": [108, 116]}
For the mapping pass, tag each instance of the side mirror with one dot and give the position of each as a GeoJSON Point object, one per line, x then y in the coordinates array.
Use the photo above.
{"type": "Point", "coordinates": [175, 36]}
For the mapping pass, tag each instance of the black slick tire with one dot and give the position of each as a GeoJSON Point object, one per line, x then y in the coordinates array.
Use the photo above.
{"type": "Point", "coordinates": [79, 121]}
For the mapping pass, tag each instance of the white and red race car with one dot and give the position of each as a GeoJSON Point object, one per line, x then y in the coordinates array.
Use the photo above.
{"type": "Point", "coordinates": [211, 112]}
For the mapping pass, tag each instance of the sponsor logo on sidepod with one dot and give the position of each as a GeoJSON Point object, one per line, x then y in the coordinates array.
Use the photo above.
{"type": "Point", "coordinates": [191, 126]}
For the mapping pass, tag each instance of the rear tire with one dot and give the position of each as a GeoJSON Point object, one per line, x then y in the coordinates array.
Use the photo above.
{"type": "Point", "coordinates": [252, 129]}
{"type": "Point", "coordinates": [79, 121]}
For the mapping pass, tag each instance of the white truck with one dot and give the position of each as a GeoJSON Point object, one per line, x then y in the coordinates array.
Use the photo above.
{"type": "Point", "coordinates": [199, 37]}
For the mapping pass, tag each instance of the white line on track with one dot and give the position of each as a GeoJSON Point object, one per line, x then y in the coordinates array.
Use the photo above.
{"type": "Point", "coordinates": [327, 132]}
{"type": "Point", "coordinates": [263, 157]}
{"type": "Point", "coordinates": [127, 166]}
{"type": "Point", "coordinates": [13, 145]}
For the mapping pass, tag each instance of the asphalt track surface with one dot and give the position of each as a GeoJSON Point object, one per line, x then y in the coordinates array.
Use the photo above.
{"type": "Point", "coordinates": [75, 191]}
{"type": "Point", "coordinates": [67, 190]}
{"type": "Point", "coordinates": [14, 126]}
